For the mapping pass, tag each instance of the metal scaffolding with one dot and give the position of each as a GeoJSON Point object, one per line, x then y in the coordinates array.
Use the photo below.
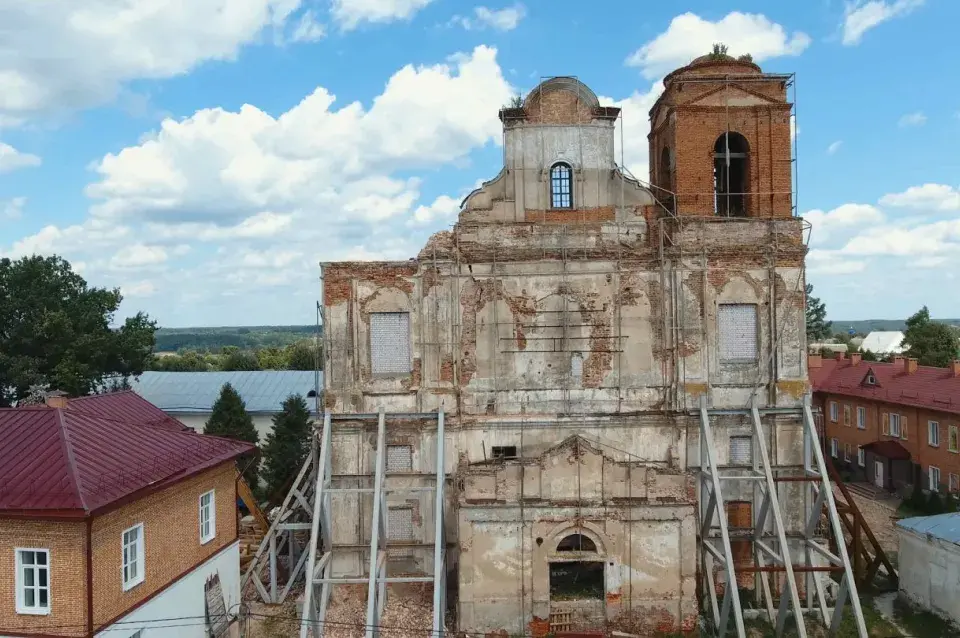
{"type": "Point", "coordinates": [308, 507]}
{"type": "Point", "coordinates": [772, 548]}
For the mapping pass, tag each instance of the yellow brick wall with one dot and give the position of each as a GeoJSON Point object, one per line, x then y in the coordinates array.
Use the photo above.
{"type": "Point", "coordinates": [171, 528]}
{"type": "Point", "coordinates": [67, 545]}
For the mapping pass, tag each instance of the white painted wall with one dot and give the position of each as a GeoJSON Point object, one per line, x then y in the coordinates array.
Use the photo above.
{"type": "Point", "coordinates": [930, 573]}
{"type": "Point", "coordinates": [196, 420]}
{"type": "Point", "coordinates": [185, 600]}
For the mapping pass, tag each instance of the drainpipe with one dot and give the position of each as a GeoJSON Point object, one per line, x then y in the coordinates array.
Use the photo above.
{"type": "Point", "coordinates": [89, 560]}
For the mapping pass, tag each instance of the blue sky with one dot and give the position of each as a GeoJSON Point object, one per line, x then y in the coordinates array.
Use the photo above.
{"type": "Point", "coordinates": [205, 156]}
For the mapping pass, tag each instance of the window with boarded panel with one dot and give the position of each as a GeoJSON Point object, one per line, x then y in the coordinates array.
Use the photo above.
{"type": "Point", "coordinates": [390, 342]}
{"type": "Point", "coordinates": [400, 524]}
{"type": "Point", "coordinates": [399, 458]}
{"type": "Point", "coordinates": [737, 327]}
{"type": "Point", "coordinates": [741, 450]}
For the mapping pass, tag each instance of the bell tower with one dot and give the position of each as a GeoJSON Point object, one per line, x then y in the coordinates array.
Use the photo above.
{"type": "Point", "coordinates": [720, 140]}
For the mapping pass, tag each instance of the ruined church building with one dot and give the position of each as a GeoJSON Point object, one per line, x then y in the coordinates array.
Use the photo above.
{"type": "Point", "coordinates": [602, 350]}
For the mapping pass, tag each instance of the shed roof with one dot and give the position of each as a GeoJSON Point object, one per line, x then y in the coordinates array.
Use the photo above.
{"type": "Point", "coordinates": [883, 342]}
{"type": "Point", "coordinates": [72, 462]}
{"type": "Point", "coordinates": [127, 406]}
{"type": "Point", "coordinates": [945, 527]}
{"type": "Point", "coordinates": [261, 390]}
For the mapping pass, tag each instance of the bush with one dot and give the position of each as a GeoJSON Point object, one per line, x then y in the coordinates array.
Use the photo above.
{"type": "Point", "coordinates": [918, 500]}
{"type": "Point", "coordinates": [934, 503]}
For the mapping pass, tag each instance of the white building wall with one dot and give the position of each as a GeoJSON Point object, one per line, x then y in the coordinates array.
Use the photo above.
{"type": "Point", "coordinates": [184, 600]}
{"type": "Point", "coordinates": [196, 421]}
{"type": "Point", "coordinates": [930, 573]}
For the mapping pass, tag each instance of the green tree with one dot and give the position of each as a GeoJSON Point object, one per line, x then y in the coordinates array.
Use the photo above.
{"type": "Point", "coordinates": [232, 358]}
{"type": "Point", "coordinates": [287, 444]}
{"type": "Point", "coordinates": [187, 361]}
{"type": "Point", "coordinates": [56, 330]}
{"type": "Point", "coordinates": [271, 358]}
{"type": "Point", "coordinates": [301, 356]}
{"type": "Point", "coordinates": [817, 325]}
{"type": "Point", "coordinates": [932, 343]}
{"type": "Point", "coordinates": [230, 419]}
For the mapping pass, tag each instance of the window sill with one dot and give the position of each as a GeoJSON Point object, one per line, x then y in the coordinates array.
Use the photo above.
{"type": "Point", "coordinates": [133, 584]}
{"type": "Point", "coordinates": [204, 541]}
{"type": "Point", "coordinates": [25, 611]}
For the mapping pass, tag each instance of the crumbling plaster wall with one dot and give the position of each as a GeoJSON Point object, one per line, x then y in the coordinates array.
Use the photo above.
{"type": "Point", "coordinates": [513, 514]}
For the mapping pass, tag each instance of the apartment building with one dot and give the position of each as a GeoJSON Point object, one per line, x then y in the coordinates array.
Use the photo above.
{"type": "Point", "coordinates": [892, 424]}
{"type": "Point", "coordinates": [115, 520]}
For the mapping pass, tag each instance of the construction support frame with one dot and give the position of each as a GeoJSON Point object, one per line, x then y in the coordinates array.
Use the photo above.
{"type": "Point", "coordinates": [308, 507]}
{"type": "Point", "coordinates": [772, 549]}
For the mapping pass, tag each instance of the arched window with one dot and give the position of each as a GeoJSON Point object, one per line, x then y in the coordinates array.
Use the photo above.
{"type": "Point", "coordinates": [576, 543]}
{"type": "Point", "coordinates": [561, 186]}
{"type": "Point", "coordinates": [665, 177]}
{"type": "Point", "coordinates": [731, 174]}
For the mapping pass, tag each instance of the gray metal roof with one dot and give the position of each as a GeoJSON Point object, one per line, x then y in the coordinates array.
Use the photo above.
{"type": "Point", "coordinates": [261, 390]}
{"type": "Point", "coordinates": [943, 526]}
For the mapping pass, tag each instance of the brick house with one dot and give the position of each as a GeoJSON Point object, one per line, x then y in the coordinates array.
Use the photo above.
{"type": "Point", "coordinates": [114, 519]}
{"type": "Point", "coordinates": [892, 424]}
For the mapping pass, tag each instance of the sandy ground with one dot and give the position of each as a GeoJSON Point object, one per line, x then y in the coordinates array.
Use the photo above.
{"type": "Point", "coordinates": [879, 516]}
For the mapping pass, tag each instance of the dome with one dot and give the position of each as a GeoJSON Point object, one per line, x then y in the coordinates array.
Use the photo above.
{"type": "Point", "coordinates": [564, 83]}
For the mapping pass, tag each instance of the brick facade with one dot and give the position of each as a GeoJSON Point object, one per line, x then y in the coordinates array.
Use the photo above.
{"type": "Point", "coordinates": [68, 582]}
{"type": "Point", "coordinates": [701, 102]}
{"type": "Point", "coordinates": [172, 547]}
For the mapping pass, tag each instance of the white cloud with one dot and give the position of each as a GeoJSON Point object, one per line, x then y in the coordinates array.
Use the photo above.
{"type": "Point", "coordinates": [844, 219]}
{"type": "Point", "coordinates": [90, 237]}
{"type": "Point", "coordinates": [143, 288]}
{"type": "Point", "coordinates": [12, 208]}
{"type": "Point", "coordinates": [830, 263]}
{"type": "Point", "coordinates": [62, 54]}
{"type": "Point", "coordinates": [834, 147]}
{"type": "Point", "coordinates": [308, 29]}
{"type": "Point", "coordinates": [861, 16]}
{"type": "Point", "coordinates": [12, 159]}
{"type": "Point", "coordinates": [137, 256]}
{"type": "Point", "coordinates": [941, 237]}
{"type": "Point", "coordinates": [349, 14]}
{"type": "Point", "coordinates": [632, 128]}
{"type": "Point", "coordinates": [929, 197]}
{"type": "Point", "coordinates": [443, 207]}
{"type": "Point", "coordinates": [913, 119]}
{"type": "Point", "coordinates": [505, 19]}
{"type": "Point", "coordinates": [690, 36]}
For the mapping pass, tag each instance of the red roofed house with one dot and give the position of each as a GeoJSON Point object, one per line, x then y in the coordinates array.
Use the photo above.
{"type": "Point", "coordinates": [892, 424]}
{"type": "Point", "coordinates": [114, 520]}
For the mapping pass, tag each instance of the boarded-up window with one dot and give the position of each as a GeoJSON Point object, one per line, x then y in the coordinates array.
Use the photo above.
{"type": "Point", "coordinates": [737, 327]}
{"type": "Point", "coordinates": [399, 458]}
{"type": "Point", "coordinates": [390, 342]}
{"type": "Point", "coordinates": [400, 524]}
{"type": "Point", "coordinates": [741, 450]}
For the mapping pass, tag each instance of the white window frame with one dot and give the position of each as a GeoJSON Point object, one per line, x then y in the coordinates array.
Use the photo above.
{"type": "Point", "coordinates": [834, 411]}
{"type": "Point", "coordinates": [834, 447]}
{"type": "Point", "coordinates": [847, 416]}
{"type": "Point", "coordinates": [953, 439]}
{"type": "Point", "coordinates": [21, 588]}
{"type": "Point", "coordinates": [846, 452]}
{"type": "Point", "coordinates": [933, 433]}
{"type": "Point", "coordinates": [861, 457]}
{"type": "Point", "coordinates": [139, 557]}
{"type": "Point", "coordinates": [210, 509]}
{"type": "Point", "coordinates": [954, 482]}
{"type": "Point", "coordinates": [894, 424]}
{"type": "Point", "coordinates": [933, 485]}
{"type": "Point", "coordinates": [861, 418]}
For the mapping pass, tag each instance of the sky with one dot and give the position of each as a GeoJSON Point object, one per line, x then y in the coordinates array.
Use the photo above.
{"type": "Point", "coordinates": [205, 156]}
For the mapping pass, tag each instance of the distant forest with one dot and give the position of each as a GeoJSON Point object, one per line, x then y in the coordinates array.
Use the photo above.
{"type": "Point", "coordinates": [244, 338]}
{"type": "Point", "coordinates": [866, 326]}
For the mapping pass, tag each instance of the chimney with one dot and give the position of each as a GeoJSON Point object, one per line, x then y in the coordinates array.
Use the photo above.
{"type": "Point", "coordinates": [910, 365]}
{"type": "Point", "coordinates": [814, 360]}
{"type": "Point", "coordinates": [840, 355]}
{"type": "Point", "coordinates": [856, 358]}
{"type": "Point", "coordinates": [898, 359]}
{"type": "Point", "coordinates": [56, 399]}
{"type": "Point", "coordinates": [955, 367]}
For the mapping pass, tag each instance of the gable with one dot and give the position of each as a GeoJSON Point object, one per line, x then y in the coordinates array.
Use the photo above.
{"type": "Point", "coordinates": [732, 95]}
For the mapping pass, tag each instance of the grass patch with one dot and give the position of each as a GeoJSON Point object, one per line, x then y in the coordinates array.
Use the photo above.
{"type": "Point", "coordinates": [877, 625]}
{"type": "Point", "coordinates": [921, 622]}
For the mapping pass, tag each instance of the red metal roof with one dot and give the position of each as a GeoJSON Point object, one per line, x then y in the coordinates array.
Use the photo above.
{"type": "Point", "coordinates": [71, 462]}
{"type": "Point", "coordinates": [127, 406]}
{"type": "Point", "coordinates": [890, 449]}
{"type": "Point", "coordinates": [930, 388]}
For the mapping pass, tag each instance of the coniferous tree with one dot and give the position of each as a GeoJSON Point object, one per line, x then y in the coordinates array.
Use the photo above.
{"type": "Point", "coordinates": [230, 419]}
{"type": "Point", "coordinates": [287, 444]}
{"type": "Point", "coordinates": [817, 325]}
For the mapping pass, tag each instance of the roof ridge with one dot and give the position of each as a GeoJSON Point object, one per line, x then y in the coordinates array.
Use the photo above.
{"type": "Point", "coordinates": [71, 460]}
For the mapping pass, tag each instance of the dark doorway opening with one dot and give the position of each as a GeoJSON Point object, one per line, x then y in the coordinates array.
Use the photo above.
{"type": "Point", "coordinates": [577, 580]}
{"type": "Point", "coordinates": [731, 177]}
{"type": "Point", "coordinates": [576, 543]}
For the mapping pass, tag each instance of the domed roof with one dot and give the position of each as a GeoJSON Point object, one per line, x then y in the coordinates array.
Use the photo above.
{"type": "Point", "coordinates": [564, 83]}
{"type": "Point", "coordinates": [718, 64]}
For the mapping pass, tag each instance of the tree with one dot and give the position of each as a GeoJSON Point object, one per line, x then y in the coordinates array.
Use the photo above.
{"type": "Point", "coordinates": [187, 361]}
{"type": "Point", "coordinates": [932, 343]}
{"type": "Point", "coordinates": [301, 356]}
{"type": "Point", "coordinates": [230, 419]}
{"type": "Point", "coordinates": [56, 330]}
{"type": "Point", "coordinates": [287, 444]}
{"type": "Point", "coordinates": [235, 359]}
{"type": "Point", "coordinates": [817, 325]}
